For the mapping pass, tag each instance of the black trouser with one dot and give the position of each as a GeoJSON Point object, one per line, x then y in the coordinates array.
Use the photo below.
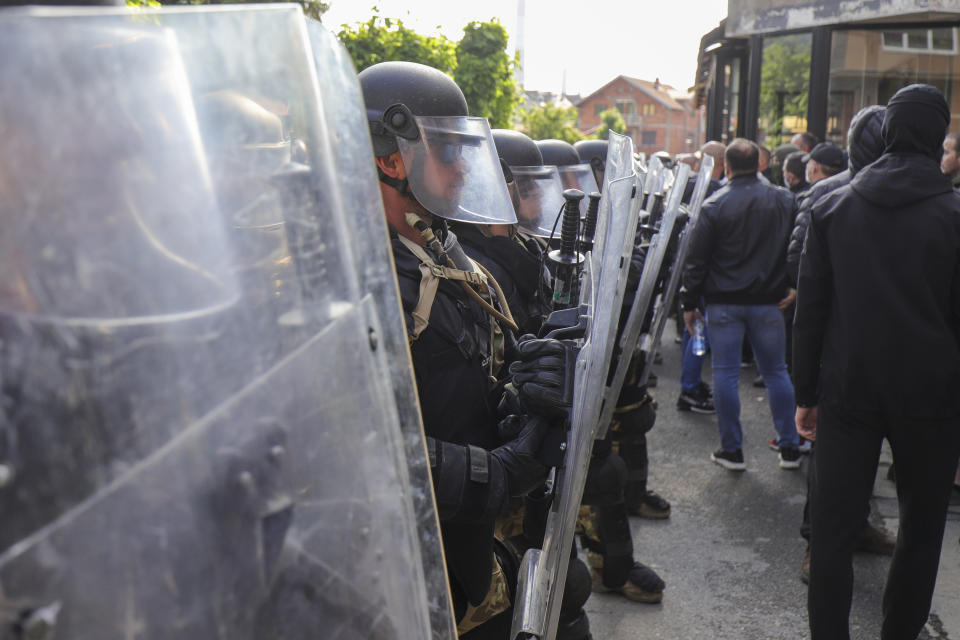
{"type": "Point", "coordinates": [925, 453]}
{"type": "Point", "coordinates": [606, 480]}
{"type": "Point", "coordinates": [811, 465]}
{"type": "Point", "coordinates": [634, 453]}
{"type": "Point", "coordinates": [788, 314]}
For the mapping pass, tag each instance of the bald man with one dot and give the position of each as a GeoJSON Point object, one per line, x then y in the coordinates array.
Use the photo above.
{"type": "Point", "coordinates": [737, 265]}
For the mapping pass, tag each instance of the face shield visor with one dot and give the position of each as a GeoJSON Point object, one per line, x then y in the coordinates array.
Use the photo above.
{"type": "Point", "coordinates": [578, 176]}
{"type": "Point", "coordinates": [537, 195]}
{"type": "Point", "coordinates": [454, 171]}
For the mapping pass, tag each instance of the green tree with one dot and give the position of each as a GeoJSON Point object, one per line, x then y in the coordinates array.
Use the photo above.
{"type": "Point", "coordinates": [610, 120]}
{"type": "Point", "coordinates": [384, 39]}
{"type": "Point", "coordinates": [312, 8]}
{"type": "Point", "coordinates": [784, 83]}
{"type": "Point", "coordinates": [485, 72]}
{"type": "Point", "coordinates": [551, 121]}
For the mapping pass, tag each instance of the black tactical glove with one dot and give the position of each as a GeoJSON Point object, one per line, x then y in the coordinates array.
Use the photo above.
{"type": "Point", "coordinates": [637, 258]}
{"type": "Point", "coordinates": [543, 376]}
{"type": "Point", "coordinates": [518, 457]}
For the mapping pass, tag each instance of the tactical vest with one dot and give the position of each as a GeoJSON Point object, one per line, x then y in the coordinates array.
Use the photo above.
{"type": "Point", "coordinates": [431, 274]}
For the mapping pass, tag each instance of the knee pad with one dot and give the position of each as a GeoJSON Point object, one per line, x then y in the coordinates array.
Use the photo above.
{"type": "Point", "coordinates": [577, 587]}
{"type": "Point", "coordinates": [577, 628]}
{"type": "Point", "coordinates": [634, 419]}
{"type": "Point", "coordinates": [606, 479]}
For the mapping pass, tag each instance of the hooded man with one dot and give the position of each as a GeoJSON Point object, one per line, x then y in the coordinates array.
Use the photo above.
{"type": "Point", "coordinates": [877, 355]}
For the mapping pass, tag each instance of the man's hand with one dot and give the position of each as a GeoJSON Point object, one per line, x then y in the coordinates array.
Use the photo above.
{"type": "Point", "coordinates": [807, 422]}
{"type": "Point", "coordinates": [540, 377]}
{"type": "Point", "coordinates": [688, 319]}
{"type": "Point", "coordinates": [518, 457]}
{"type": "Point", "coordinates": [786, 302]}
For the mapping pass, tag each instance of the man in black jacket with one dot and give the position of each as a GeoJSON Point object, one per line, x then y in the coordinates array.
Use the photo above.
{"type": "Point", "coordinates": [877, 355]}
{"type": "Point", "coordinates": [864, 145]}
{"type": "Point", "coordinates": [737, 264]}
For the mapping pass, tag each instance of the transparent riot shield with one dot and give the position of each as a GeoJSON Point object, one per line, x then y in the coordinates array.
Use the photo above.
{"type": "Point", "coordinates": [543, 571]}
{"type": "Point", "coordinates": [651, 341]}
{"type": "Point", "coordinates": [373, 259]}
{"type": "Point", "coordinates": [646, 288]}
{"type": "Point", "coordinates": [201, 423]}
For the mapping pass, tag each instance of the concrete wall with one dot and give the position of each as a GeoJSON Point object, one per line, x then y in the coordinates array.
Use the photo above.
{"type": "Point", "coordinates": [746, 17]}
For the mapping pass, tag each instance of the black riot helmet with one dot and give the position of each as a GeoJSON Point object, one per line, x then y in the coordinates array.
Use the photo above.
{"type": "Point", "coordinates": [594, 153]}
{"type": "Point", "coordinates": [450, 160]}
{"type": "Point", "coordinates": [395, 91]}
{"type": "Point", "coordinates": [665, 158]}
{"type": "Point", "coordinates": [517, 149]}
{"type": "Point", "coordinates": [558, 153]}
{"type": "Point", "coordinates": [574, 173]}
{"type": "Point", "coordinates": [535, 189]}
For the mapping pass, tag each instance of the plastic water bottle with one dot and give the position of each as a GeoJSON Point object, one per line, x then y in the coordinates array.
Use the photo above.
{"type": "Point", "coordinates": [699, 342]}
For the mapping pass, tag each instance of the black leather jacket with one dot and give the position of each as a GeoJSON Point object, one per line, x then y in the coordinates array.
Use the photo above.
{"type": "Point", "coordinates": [739, 246]}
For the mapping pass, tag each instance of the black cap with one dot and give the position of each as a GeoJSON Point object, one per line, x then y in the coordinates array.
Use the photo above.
{"type": "Point", "coordinates": [829, 154]}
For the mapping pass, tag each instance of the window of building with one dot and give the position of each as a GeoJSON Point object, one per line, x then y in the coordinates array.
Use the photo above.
{"type": "Point", "coordinates": [626, 107]}
{"type": "Point", "coordinates": [868, 66]}
{"type": "Point", "coordinates": [941, 40]}
{"type": "Point", "coordinates": [648, 138]}
{"type": "Point", "coordinates": [731, 99]}
{"type": "Point", "coordinates": [598, 109]}
{"type": "Point", "coordinates": [784, 88]}
{"type": "Point", "coordinates": [649, 109]}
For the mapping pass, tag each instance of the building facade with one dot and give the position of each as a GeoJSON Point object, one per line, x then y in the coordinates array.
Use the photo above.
{"type": "Point", "coordinates": [777, 67]}
{"type": "Point", "coordinates": [658, 117]}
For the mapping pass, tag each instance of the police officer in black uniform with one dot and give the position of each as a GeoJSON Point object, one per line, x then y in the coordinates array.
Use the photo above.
{"type": "Point", "coordinates": [436, 163]}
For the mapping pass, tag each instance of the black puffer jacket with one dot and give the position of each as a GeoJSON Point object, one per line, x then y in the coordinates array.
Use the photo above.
{"type": "Point", "coordinates": [805, 202]}
{"type": "Point", "coordinates": [739, 247]}
{"type": "Point", "coordinates": [864, 146]}
{"type": "Point", "coordinates": [877, 327]}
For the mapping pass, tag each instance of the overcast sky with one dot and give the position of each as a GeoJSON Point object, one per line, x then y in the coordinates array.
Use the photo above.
{"type": "Point", "coordinates": [592, 41]}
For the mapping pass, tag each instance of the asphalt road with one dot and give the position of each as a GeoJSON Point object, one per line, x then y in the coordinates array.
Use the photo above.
{"type": "Point", "coordinates": [731, 551]}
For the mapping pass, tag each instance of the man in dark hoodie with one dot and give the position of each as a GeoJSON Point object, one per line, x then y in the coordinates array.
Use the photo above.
{"type": "Point", "coordinates": [864, 145]}
{"type": "Point", "coordinates": [877, 355]}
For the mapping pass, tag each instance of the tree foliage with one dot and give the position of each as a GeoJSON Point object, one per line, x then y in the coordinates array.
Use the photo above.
{"type": "Point", "coordinates": [311, 8]}
{"type": "Point", "coordinates": [485, 72]}
{"type": "Point", "coordinates": [610, 120]}
{"type": "Point", "coordinates": [383, 39]}
{"type": "Point", "coordinates": [551, 121]}
{"type": "Point", "coordinates": [784, 83]}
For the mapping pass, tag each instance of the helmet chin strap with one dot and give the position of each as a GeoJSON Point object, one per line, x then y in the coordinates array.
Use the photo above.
{"type": "Point", "coordinates": [400, 184]}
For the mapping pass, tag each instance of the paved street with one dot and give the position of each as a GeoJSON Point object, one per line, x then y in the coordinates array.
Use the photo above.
{"type": "Point", "coordinates": [731, 551]}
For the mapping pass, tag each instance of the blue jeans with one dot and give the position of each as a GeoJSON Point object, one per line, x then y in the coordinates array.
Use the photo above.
{"type": "Point", "coordinates": [690, 363]}
{"type": "Point", "coordinates": [763, 325]}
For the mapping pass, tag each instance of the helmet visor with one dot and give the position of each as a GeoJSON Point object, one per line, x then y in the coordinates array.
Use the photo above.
{"type": "Point", "coordinates": [578, 176]}
{"type": "Point", "coordinates": [537, 195]}
{"type": "Point", "coordinates": [454, 170]}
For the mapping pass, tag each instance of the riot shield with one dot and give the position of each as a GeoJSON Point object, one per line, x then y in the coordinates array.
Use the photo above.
{"type": "Point", "coordinates": [646, 288]}
{"type": "Point", "coordinates": [543, 571]}
{"type": "Point", "coordinates": [200, 424]}
{"type": "Point", "coordinates": [373, 259]}
{"type": "Point", "coordinates": [664, 303]}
